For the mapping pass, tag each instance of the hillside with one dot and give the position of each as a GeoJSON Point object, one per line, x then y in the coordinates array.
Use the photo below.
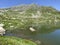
{"type": "Point", "coordinates": [25, 16]}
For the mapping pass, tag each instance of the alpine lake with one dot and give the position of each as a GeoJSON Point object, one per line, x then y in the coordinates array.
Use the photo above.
{"type": "Point", "coordinates": [41, 37]}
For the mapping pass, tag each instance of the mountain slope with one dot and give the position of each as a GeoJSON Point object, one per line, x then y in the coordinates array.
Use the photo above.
{"type": "Point", "coordinates": [25, 16]}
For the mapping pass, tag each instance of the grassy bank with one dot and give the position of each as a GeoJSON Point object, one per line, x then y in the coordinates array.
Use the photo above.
{"type": "Point", "coordinates": [14, 41]}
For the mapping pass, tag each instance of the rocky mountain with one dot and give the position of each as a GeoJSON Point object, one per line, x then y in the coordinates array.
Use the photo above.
{"type": "Point", "coordinates": [24, 16]}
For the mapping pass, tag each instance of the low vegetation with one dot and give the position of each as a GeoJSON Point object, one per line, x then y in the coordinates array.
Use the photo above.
{"type": "Point", "coordinates": [14, 41]}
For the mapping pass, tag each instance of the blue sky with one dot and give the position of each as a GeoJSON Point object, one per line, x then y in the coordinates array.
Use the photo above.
{"type": "Point", "coordinates": [9, 3]}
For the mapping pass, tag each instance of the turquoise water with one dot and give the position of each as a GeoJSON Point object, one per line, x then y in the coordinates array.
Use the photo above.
{"type": "Point", "coordinates": [47, 37]}
{"type": "Point", "coordinates": [52, 38]}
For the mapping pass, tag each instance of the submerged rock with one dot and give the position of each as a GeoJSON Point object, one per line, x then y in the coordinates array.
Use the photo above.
{"type": "Point", "coordinates": [38, 42]}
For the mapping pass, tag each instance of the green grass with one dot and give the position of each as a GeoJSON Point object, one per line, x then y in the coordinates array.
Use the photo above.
{"type": "Point", "coordinates": [14, 41]}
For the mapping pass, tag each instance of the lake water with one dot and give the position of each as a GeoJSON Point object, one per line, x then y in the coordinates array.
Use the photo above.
{"type": "Point", "coordinates": [48, 37]}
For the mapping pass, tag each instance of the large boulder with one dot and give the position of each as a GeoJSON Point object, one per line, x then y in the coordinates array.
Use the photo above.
{"type": "Point", "coordinates": [2, 30]}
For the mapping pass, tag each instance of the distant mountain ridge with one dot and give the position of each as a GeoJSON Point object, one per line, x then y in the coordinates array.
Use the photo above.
{"type": "Point", "coordinates": [23, 7]}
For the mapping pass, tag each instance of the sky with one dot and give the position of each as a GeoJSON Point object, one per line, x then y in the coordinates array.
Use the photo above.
{"type": "Point", "coordinates": [10, 3]}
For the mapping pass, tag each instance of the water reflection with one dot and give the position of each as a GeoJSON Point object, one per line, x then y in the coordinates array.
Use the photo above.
{"type": "Point", "coordinates": [46, 37]}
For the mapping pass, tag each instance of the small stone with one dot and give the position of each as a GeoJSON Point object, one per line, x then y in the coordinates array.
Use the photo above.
{"type": "Point", "coordinates": [32, 29]}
